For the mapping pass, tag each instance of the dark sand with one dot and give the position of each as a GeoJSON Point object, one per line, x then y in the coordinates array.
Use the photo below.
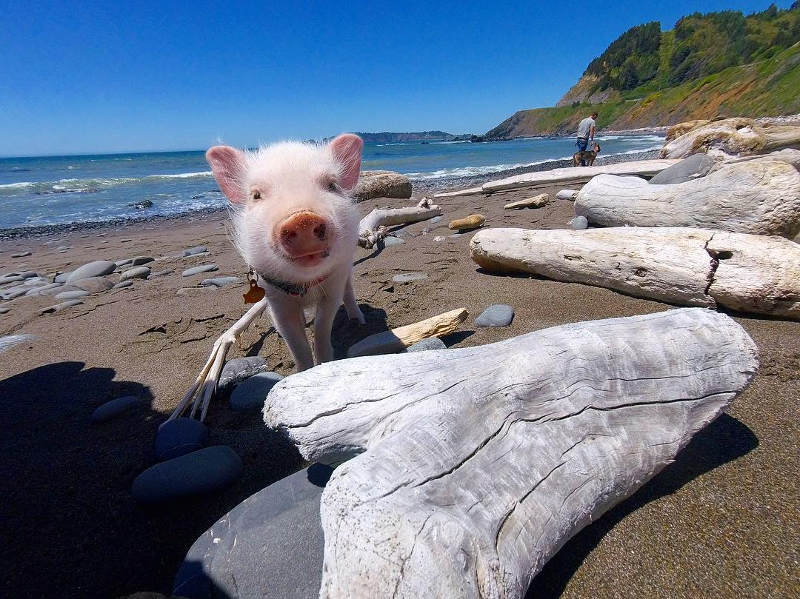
{"type": "Point", "coordinates": [722, 521]}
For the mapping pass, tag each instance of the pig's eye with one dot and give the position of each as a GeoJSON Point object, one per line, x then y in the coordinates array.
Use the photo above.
{"type": "Point", "coordinates": [256, 194]}
{"type": "Point", "coordinates": [332, 187]}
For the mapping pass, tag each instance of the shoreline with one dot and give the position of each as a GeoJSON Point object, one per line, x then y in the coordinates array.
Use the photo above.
{"type": "Point", "coordinates": [420, 188]}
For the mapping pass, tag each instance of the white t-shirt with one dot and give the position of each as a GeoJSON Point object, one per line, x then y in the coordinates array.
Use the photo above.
{"type": "Point", "coordinates": [585, 126]}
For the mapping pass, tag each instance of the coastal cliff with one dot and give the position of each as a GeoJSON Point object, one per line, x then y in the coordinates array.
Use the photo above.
{"type": "Point", "coordinates": [713, 65]}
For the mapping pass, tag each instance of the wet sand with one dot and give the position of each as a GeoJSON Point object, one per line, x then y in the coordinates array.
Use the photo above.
{"type": "Point", "coordinates": [722, 521]}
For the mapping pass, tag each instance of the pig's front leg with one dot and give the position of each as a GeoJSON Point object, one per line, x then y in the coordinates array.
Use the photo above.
{"type": "Point", "coordinates": [323, 323]}
{"type": "Point", "coordinates": [350, 303]}
{"type": "Point", "coordinates": [287, 315]}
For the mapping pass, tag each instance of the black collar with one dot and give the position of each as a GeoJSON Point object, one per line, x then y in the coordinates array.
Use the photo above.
{"type": "Point", "coordinates": [296, 289]}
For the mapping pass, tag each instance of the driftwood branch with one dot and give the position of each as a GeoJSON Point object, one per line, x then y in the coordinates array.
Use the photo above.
{"type": "Point", "coordinates": [736, 136]}
{"type": "Point", "coordinates": [758, 196]}
{"type": "Point", "coordinates": [397, 339]}
{"type": "Point", "coordinates": [373, 227]}
{"type": "Point", "coordinates": [477, 464]}
{"type": "Point", "coordinates": [694, 267]}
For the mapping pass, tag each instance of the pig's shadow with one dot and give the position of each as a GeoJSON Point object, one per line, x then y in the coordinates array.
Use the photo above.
{"type": "Point", "coordinates": [346, 332]}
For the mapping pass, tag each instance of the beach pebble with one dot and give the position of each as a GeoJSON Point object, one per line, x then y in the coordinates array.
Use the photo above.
{"type": "Point", "coordinates": [71, 295]}
{"type": "Point", "coordinates": [250, 393]}
{"type": "Point", "coordinates": [693, 167]}
{"type": "Point", "coordinates": [391, 240]}
{"type": "Point", "coordinates": [427, 344]}
{"type": "Point", "coordinates": [202, 471]}
{"type": "Point", "coordinates": [579, 222]}
{"type": "Point", "coordinates": [123, 284]}
{"type": "Point", "coordinates": [61, 306]}
{"type": "Point", "coordinates": [11, 279]}
{"type": "Point", "coordinates": [237, 370]}
{"type": "Point", "coordinates": [198, 249]}
{"type": "Point", "coordinates": [137, 272]}
{"type": "Point", "coordinates": [35, 281]}
{"type": "Point", "coordinates": [62, 277]}
{"type": "Point", "coordinates": [44, 289]}
{"type": "Point", "coordinates": [115, 407]}
{"type": "Point", "coordinates": [14, 292]}
{"type": "Point", "coordinates": [93, 284]}
{"type": "Point", "coordinates": [139, 260]}
{"type": "Point", "coordinates": [198, 269]}
{"type": "Point", "coordinates": [567, 194]}
{"type": "Point", "coordinates": [219, 281]}
{"type": "Point", "coordinates": [9, 341]}
{"type": "Point", "coordinates": [270, 546]}
{"type": "Point", "coordinates": [179, 437]}
{"type": "Point", "coordinates": [21, 254]}
{"type": "Point", "coordinates": [435, 219]}
{"type": "Point", "coordinates": [407, 277]}
{"type": "Point", "coordinates": [98, 268]}
{"type": "Point", "coordinates": [4, 309]}
{"type": "Point", "coordinates": [497, 315]}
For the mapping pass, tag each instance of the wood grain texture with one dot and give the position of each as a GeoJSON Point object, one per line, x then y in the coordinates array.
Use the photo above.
{"type": "Point", "coordinates": [758, 196]}
{"type": "Point", "coordinates": [535, 202]}
{"type": "Point", "coordinates": [679, 265]}
{"type": "Point", "coordinates": [475, 465]}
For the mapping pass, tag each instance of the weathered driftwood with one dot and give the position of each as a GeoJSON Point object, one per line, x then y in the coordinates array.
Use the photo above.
{"type": "Point", "coordinates": [535, 202]}
{"type": "Point", "coordinates": [681, 128]}
{"type": "Point", "coordinates": [373, 227]}
{"type": "Point", "coordinates": [759, 196]}
{"type": "Point", "coordinates": [388, 342]}
{"type": "Point", "coordinates": [577, 174]}
{"type": "Point", "coordinates": [471, 191]}
{"type": "Point", "coordinates": [381, 184]}
{"type": "Point", "coordinates": [736, 136]}
{"type": "Point", "coordinates": [473, 221]}
{"type": "Point", "coordinates": [478, 464]}
{"type": "Point", "coordinates": [789, 155]}
{"type": "Point", "coordinates": [678, 265]}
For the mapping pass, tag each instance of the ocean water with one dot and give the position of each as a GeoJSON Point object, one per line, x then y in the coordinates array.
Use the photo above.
{"type": "Point", "coordinates": [57, 190]}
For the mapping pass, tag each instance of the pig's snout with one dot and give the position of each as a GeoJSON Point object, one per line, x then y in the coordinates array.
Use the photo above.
{"type": "Point", "coordinates": [304, 234]}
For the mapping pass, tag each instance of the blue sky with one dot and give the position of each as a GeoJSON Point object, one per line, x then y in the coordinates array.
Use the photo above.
{"type": "Point", "coordinates": [81, 77]}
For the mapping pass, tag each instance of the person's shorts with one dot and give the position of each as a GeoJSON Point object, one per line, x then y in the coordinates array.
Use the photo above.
{"type": "Point", "coordinates": [582, 143]}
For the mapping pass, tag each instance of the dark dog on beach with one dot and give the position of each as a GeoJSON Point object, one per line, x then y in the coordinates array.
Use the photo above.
{"type": "Point", "coordinates": [586, 158]}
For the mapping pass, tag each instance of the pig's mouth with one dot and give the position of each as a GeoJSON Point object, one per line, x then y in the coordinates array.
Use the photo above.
{"type": "Point", "coordinates": [311, 258]}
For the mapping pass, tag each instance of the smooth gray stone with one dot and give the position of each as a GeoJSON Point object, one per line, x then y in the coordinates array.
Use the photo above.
{"type": "Point", "coordinates": [61, 306]}
{"type": "Point", "coordinates": [579, 222]}
{"type": "Point", "coordinates": [390, 241]}
{"type": "Point", "coordinates": [122, 285]}
{"type": "Point", "coordinates": [56, 288]}
{"type": "Point", "coordinates": [407, 277]}
{"type": "Point", "coordinates": [693, 167]}
{"type": "Point", "coordinates": [435, 219]}
{"type": "Point", "coordinates": [98, 268]}
{"type": "Point", "coordinates": [71, 295]}
{"type": "Point", "coordinates": [269, 546]}
{"type": "Point", "coordinates": [45, 288]}
{"type": "Point", "coordinates": [198, 269]}
{"type": "Point", "coordinates": [11, 279]}
{"type": "Point", "coordinates": [238, 369]}
{"type": "Point", "coordinates": [121, 263]}
{"type": "Point", "coordinates": [62, 277]}
{"type": "Point", "coordinates": [219, 281]}
{"type": "Point", "coordinates": [179, 437]}
{"type": "Point", "coordinates": [137, 272]}
{"type": "Point", "coordinates": [4, 309]}
{"type": "Point", "coordinates": [94, 284]}
{"type": "Point", "coordinates": [115, 407]}
{"type": "Point", "coordinates": [14, 292]}
{"type": "Point", "coordinates": [28, 274]}
{"type": "Point", "coordinates": [496, 315]}
{"type": "Point", "coordinates": [202, 471]}
{"type": "Point", "coordinates": [198, 249]}
{"type": "Point", "coordinates": [427, 344]}
{"type": "Point", "coordinates": [35, 280]}
{"type": "Point", "coordinates": [21, 254]}
{"type": "Point", "coordinates": [252, 391]}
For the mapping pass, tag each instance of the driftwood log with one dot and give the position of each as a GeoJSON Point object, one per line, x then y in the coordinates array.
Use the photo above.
{"type": "Point", "coordinates": [677, 265]}
{"type": "Point", "coordinates": [736, 136]}
{"type": "Point", "coordinates": [388, 342]}
{"type": "Point", "coordinates": [576, 174]}
{"type": "Point", "coordinates": [477, 464]}
{"type": "Point", "coordinates": [373, 227]}
{"type": "Point", "coordinates": [535, 202]}
{"type": "Point", "coordinates": [473, 221]}
{"type": "Point", "coordinates": [758, 196]}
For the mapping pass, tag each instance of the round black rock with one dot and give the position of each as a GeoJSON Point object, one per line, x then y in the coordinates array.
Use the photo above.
{"type": "Point", "coordinates": [252, 391]}
{"type": "Point", "coordinates": [270, 545]}
{"type": "Point", "coordinates": [179, 437]}
{"type": "Point", "coordinates": [203, 471]}
{"type": "Point", "coordinates": [427, 344]}
{"type": "Point", "coordinates": [115, 407]}
{"type": "Point", "coordinates": [238, 369]}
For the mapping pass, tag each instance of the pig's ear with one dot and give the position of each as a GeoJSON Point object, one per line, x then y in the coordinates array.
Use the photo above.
{"type": "Point", "coordinates": [347, 151]}
{"type": "Point", "coordinates": [228, 165]}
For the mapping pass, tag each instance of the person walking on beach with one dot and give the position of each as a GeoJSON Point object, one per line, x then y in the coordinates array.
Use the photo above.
{"type": "Point", "coordinates": [586, 130]}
